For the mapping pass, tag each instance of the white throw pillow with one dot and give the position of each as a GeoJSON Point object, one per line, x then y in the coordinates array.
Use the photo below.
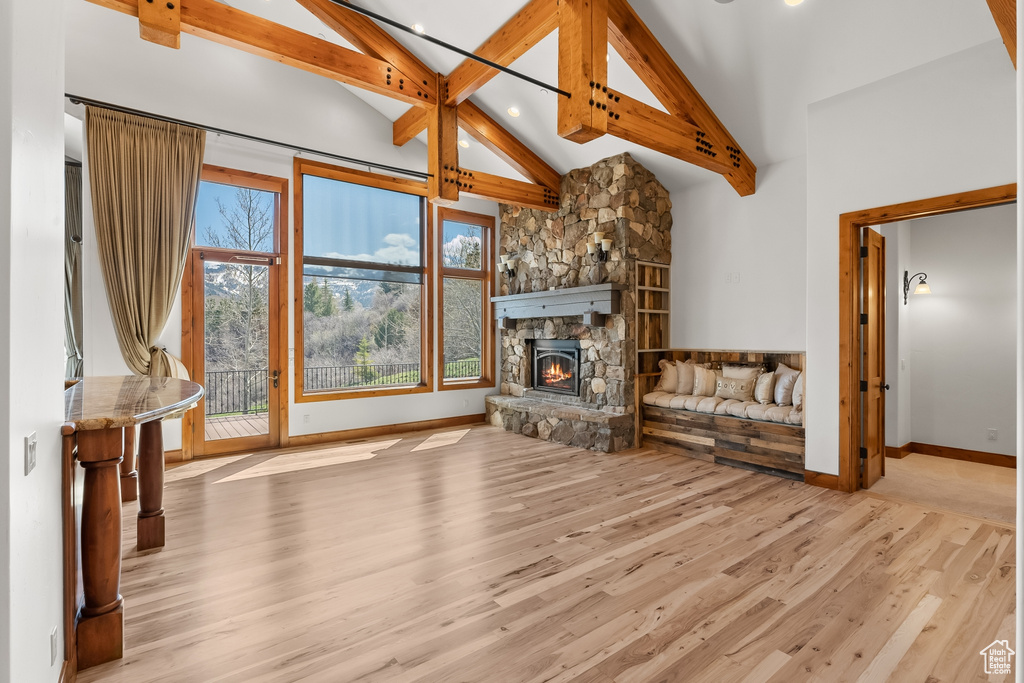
{"type": "Point", "coordinates": [742, 371]}
{"type": "Point", "coordinates": [684, 377]}
{"type": "Point", "coordinates": [734, 388]}
{"type": "Point", "coordinates": [785, 380]}
{"type": "Point", "coordinates": [704, 381]}
{"type": "Point", "coordinates": [668, 379]}
{"type": "Point", "coordinates": [798, 392]}
{"type": "Point", "coordinates": [764, 390]}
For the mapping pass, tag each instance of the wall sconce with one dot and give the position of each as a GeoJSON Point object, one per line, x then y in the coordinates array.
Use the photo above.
{"type": "Point", "coordinates": [508, 265]}
{"type": "Point", "coordinates": [598, 247]}
{"type": "Point", "coordinates": [922, 286]}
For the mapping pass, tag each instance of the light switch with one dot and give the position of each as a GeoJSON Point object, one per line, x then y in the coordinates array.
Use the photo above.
{"type": "Point", "coordinates": [30, 453]}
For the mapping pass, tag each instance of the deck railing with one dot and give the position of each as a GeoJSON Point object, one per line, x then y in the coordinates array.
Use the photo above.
{"type": "Point", "coordinates": [244, 392]}
{"type": "Point", "coordinates": [370, 375]}
{"type": "Point", "coordinates": [236, 392]}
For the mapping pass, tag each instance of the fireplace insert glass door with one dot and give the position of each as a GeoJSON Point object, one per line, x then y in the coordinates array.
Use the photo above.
{"type": "Point", "coordinates": [556, 366]}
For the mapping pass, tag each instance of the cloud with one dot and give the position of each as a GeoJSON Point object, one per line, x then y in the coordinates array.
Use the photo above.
{"type": "Point", "coordinates": [401, 249]}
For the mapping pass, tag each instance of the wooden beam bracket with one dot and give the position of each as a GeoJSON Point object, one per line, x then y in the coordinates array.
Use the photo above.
{"type": "Point", "coordinates": [160, 22]}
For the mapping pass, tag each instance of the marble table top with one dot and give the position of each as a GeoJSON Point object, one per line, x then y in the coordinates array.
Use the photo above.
{"type": "Point", "coordinates": [123, 401]}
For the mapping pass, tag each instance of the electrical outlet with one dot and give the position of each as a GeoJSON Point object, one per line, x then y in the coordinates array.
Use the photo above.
{"type": "Point", "coordinates": [903, 364]}
{"type": "Point", "coordinates": [735, 278]}
{"type": "Point", "coordinates": [305, 419]}
{"type": "Point", "coordinates": [53, 646]}
{"type": "Point", "coordinates": [30, 453]}
{"type": "Point", "coordinates": [728, 278]}
{"type": "Point", "coordinates": [465, 403]}
{"type": "Point", "coordinates": [993, 434]}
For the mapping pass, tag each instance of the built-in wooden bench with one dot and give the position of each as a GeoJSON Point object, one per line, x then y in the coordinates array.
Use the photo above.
{"type": "Point", "coordinates": [769, 447]}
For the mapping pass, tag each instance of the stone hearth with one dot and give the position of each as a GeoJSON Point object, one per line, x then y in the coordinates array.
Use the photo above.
{"type": "Point", "coordinates": [624, 200]}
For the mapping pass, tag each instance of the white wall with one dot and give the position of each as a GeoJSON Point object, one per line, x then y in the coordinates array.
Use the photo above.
{"type": "Point", "coordinates": [717, 235]}
{"type": "Point", "coordinates": [241, 92]}
{"type": "Point", "coordinates": [31, 335]}
{"type": "Point", "coordinates": [963, 354]}
{"type": "Point", "coordinates": [944, 127]}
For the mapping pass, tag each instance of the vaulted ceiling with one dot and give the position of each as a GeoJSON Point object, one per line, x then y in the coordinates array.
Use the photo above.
{"type": "Point", "coordinates": [757, 63]}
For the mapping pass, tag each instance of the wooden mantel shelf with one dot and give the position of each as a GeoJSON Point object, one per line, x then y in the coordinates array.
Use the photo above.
{"type": "Point", "coordinates": [592, 302]}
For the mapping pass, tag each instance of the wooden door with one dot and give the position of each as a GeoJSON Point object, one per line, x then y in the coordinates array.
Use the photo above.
{"type": "Point", "coordinates": [873, 358]}
{"type": "Point", "coordinates": [235, 355]}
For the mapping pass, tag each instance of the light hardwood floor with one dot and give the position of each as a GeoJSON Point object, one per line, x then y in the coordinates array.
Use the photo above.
{"type": "Point", "coordinates": [970, 488]}
{"type": "Point", "coordinates": [479, 555]}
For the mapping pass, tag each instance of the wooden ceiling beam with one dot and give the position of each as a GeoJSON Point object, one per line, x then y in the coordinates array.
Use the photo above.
{"type": "Point", "coordinates": [582, 68]}
{"type": "Point", "coordinates": [507, 147]}
{"type": "Point", "coordinates": [409, 125]}
{"type": "Point", "coordinates": [442, 152]}
{"type": "Point", "coordinates": [372, 40]}
{"type": "Point", "coordinates": [635, 42]}
{"type": "Point", "coordinates": [528, 27]}
{"type": "Point", "coordinates": [226, 25]}
{"type": "Point", "coordinates": [507, 191]}
{"type": "Point", "coordinates": [644, 125]}
{"type": "Point", "coordinates": [160, 23]}
{"type": "Point", "coordinates": [1005, 14]}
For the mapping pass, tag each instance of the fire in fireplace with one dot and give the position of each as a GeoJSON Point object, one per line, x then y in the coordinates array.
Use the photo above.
{"type": "Point", "coordinates": [556, 366]}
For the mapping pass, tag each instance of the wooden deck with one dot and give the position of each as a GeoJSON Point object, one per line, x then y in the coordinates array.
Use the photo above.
{"type": "Point", "coordinates": [236, 426]}
{"type": "Point", "coordinates": [480, 555]}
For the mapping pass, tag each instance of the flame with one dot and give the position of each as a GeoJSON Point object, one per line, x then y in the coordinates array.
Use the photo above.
{"type": "Point", "coordinates": [555, 373]}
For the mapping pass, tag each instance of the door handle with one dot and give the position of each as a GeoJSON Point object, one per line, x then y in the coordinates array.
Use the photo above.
{"type": "Point", "coordinates": [274, 376]}
{"type": "Point", "coordinates": [886, 387]}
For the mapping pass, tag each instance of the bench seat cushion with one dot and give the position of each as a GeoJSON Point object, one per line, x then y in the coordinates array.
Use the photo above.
{"type": "Point", "coordinates": [715, 405]}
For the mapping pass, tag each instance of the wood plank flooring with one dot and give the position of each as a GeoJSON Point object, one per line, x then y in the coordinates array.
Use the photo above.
{"type": "Point", "coordinates": [485, 556]}
{"type": "Point", "coordinates": [235, 426]}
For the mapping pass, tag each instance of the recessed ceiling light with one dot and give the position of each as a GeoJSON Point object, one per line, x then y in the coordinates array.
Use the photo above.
{"type": "Point", "coordinates": [793, 3]}
{"type": "Point", "coordinates": [463, 143]}
{"type": "Point", "coordinates": [418, 28]}
{"type": "Point", "coordinates": [723, 2]}
{"type": "Point", "coordinates": [513, 112]}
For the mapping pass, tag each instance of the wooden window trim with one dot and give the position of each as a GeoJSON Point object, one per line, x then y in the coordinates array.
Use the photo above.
{"type": "Point", "coordinates": [486, 275]}
{"type": "Point", "coordinates": [256, 181]}
{"type": "Point", "coordinates": [413, 187]}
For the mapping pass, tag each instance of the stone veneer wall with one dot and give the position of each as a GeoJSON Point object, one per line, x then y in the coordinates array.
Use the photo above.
{"type": "Point", "coordinates": [624, 200]}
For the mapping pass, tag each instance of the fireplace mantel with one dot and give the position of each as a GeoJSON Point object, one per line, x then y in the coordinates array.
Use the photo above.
{"type": "Point", "coordinates": [559, 303]}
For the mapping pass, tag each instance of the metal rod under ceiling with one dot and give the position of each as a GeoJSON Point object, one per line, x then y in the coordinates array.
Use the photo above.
{"type": "Point", "coordinates": [449, 46]}
{"type": "Point", "coordinates": [78, 99]}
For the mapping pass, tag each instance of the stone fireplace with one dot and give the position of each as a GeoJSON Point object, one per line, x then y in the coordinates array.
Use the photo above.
{"type": "Point", "coordinates": [562, 293]}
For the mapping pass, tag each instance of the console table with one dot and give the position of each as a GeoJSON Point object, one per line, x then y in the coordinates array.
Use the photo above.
{"type": "Point", "coordinates": [100, 418]}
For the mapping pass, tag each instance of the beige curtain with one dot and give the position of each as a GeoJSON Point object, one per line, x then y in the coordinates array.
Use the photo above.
{"type": "Point", "coordinates": [72, 271]}
{"type": "Point", "coordinates": [144, 177]}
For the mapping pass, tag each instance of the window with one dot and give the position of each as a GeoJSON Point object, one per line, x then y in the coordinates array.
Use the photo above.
{"type": "Point", "coordinates": [362, 284]}
{"type": "Point", "coordinates": [467, 317]}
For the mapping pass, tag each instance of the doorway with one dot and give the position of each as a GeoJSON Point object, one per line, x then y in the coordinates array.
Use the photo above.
{"type": "Point", "coordinates": [862, 449]}
{"type": "Point", "coordinates": [232, 333]}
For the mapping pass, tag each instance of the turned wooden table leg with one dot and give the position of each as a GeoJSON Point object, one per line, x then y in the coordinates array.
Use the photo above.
{"type": "Point", "coordinates": [151, 485]}
{"type": "Point", "coordinates": [101, 627]}
{"type": "Point", "coordinates": [129, 477]}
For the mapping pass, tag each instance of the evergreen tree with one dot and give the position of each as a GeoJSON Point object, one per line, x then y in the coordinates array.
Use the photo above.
{"type": "Point", "coordinates": [364, 366]}
{"type": "Point", "coordinates": [318, 300]}
{"type": "Point", "coordinates": [347, 303]}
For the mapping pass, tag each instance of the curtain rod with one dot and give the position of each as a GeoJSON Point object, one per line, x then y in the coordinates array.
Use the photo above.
{"type": "Point", "coordinates": [78, 99]}
{"type": "Point", "coordinates": [448, 46]}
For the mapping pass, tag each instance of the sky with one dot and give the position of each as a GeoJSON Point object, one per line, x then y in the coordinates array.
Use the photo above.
{"type": "Point", "coordinates": [343, 220]}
